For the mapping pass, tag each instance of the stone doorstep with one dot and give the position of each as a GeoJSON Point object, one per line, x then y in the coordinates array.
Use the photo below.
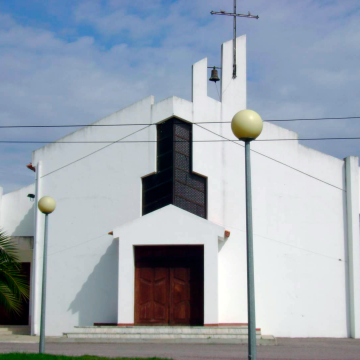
{"type": "Point", "coordinates": [114, 326]}
{"type": "Point", "coordinates": [18, 339]}
{"type": "Point", "coordinates": [156, 335]}
{"type": "Point", "coordinates": [23, 332]}
{"type": "Point", "coordinates": [266, 340]}
{"type": "Point", "coordinates": [162, 327]}
{"type": "Point", "coordinates": [164, 330]}
{"type": "Point", "coordinates": [14, 330]}
{"type": "Point", "coordinates": [191, 334]}
{"type": "Point", "coordinates": [173, 328]}
{"type": "Point", "coordinates": [20, 327]}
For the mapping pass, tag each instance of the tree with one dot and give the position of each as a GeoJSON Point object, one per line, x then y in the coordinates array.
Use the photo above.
{"type": "Point", "coordinates": [13, 284]}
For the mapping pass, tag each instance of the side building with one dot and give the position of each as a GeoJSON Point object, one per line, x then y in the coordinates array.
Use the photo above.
{"type": "Point", "coordinates": [17, 218]}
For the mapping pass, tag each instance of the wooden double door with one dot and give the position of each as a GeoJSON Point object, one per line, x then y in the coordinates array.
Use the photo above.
{"type": "Point", "coordinates": [169, 285]}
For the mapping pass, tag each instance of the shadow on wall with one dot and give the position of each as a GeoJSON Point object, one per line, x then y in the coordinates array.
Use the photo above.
{"type": "Point", "coordinates": [26, 225]}
{"type": "Point", "coordinates": [97, 300]}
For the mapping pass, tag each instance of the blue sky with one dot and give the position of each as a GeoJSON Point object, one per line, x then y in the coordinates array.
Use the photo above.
{"type": "Point", "coordinates": [75, 61]}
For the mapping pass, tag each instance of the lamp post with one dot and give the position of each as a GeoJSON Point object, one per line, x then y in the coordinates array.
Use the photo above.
{"type": "Point", "coordinates": [46, 205]}
{"type": "Point", "coordinates": [247, 126]}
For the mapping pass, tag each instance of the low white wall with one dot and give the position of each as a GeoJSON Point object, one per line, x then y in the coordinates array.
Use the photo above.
{"type": "Point", "coordinates": [17, 212]}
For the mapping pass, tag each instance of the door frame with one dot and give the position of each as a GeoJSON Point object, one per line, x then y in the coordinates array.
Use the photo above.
{"type": "Point", "coordinates": [167, 226]}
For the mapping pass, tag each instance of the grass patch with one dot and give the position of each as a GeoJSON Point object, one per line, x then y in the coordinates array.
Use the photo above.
{"type": "Point", "coordinates": [24, 356]}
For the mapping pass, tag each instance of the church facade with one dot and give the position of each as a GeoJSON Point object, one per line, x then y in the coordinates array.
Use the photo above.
{"type": "Point", "coordinates": [150, 229]}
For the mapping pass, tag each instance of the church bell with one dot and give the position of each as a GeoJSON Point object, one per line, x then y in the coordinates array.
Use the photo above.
{"type": "Point", "coordinates": [214, 75]}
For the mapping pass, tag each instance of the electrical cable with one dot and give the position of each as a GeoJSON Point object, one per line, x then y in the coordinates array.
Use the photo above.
{"type": "Point", "coordinates": [311, 139]}
{"type": "Point", "coordinates": [147, 124]}
{"type": "Point", "coordinates": [268, 157]}
{"type": "Point", "coordinates": [224, 138]}
{"type": "Point", "coordinates": [319, 119]}
{"type": "Point", "coordinates": [76, 245]}
{"type": "Point", "coordinates": [154, 141]}
{"type": "Point", "coordinates": [62, 167]}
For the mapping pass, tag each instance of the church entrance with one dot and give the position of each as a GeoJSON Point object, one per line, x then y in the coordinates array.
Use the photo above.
{"type": "Point", "coordinates": [169, 285]}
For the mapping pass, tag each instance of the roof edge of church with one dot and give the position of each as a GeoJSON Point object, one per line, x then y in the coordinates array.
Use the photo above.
{"type": "Point", "coordinates": [170, 207]}
{"type": "Point", "coordinates": [152, 102]}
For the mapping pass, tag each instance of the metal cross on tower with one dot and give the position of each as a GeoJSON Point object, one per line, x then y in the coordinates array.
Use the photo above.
{"type": "Point", "coordinates": [234, 15]}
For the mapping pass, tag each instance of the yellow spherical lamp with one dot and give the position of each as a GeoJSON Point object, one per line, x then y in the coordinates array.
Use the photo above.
{"type": "Point", "coordinates": [47, 205]}
{"type": "Point", "coordinates": [247, 125]}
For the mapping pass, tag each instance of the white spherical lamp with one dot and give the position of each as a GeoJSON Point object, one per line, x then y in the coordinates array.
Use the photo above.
{"type": "Point", "coordinates": [247, 125]}
{"type": "Point", "coordinates": [47, 205]}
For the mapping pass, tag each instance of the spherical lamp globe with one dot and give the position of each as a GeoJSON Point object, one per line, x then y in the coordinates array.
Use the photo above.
{"type": "Point", "coordinates": [47, 205]}
{"type": "Point", "coordinates": [247, 125]}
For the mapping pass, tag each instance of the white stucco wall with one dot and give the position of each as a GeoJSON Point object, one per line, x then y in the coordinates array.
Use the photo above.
{"type": "Point", "coordinates": [93, 196]}
{"type": "Point", "coordinates": [17, 212]}
{"type": "Point", "coordinates": [299, 219]}
{"type": "Point", "coordinates": [299, 226]}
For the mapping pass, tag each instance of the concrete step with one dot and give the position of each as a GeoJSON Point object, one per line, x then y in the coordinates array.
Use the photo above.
{"type": "Point", "coordinates": [156, 336]}
{"type": "Point", "coordinates": [191, 334]}
{"type": "Point", "coordinates": [14, 330]}
{"type": "Point", "coordinates": [200, 330]}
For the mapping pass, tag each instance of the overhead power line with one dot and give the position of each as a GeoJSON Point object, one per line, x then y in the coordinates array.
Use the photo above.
{"type": "Point", "coordinates": [147, 124]}
{"type": "Point", "coordinates": [318, 119]}
{"type": "Point", "coordinates": [312, 139]}
{"type": "Point", "coordinates": [224, 138]}
{"type": "Point", "coordinates": [277, 161]}
{"type": "Point", "coordinates": [94, 152]}
{"type": "Point", "coordinates": [155, 141]}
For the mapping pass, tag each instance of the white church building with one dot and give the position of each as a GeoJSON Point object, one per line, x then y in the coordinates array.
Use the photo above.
{"type": "Point", "coordinates": [151, 228]}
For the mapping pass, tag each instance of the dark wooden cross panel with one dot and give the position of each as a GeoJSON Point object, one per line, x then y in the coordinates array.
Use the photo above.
{"type": "Point", "coordinates": [175, 183]}
{"type": "Point", "coordinates": [169, 285]}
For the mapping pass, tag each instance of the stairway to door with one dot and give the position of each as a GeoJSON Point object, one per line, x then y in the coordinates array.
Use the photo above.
{"type": "Point", "coordinates": [169, 285]}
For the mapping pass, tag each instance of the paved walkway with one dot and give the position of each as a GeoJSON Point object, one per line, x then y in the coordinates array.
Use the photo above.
{"type": "Point", "coordinates": [289, 349]}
